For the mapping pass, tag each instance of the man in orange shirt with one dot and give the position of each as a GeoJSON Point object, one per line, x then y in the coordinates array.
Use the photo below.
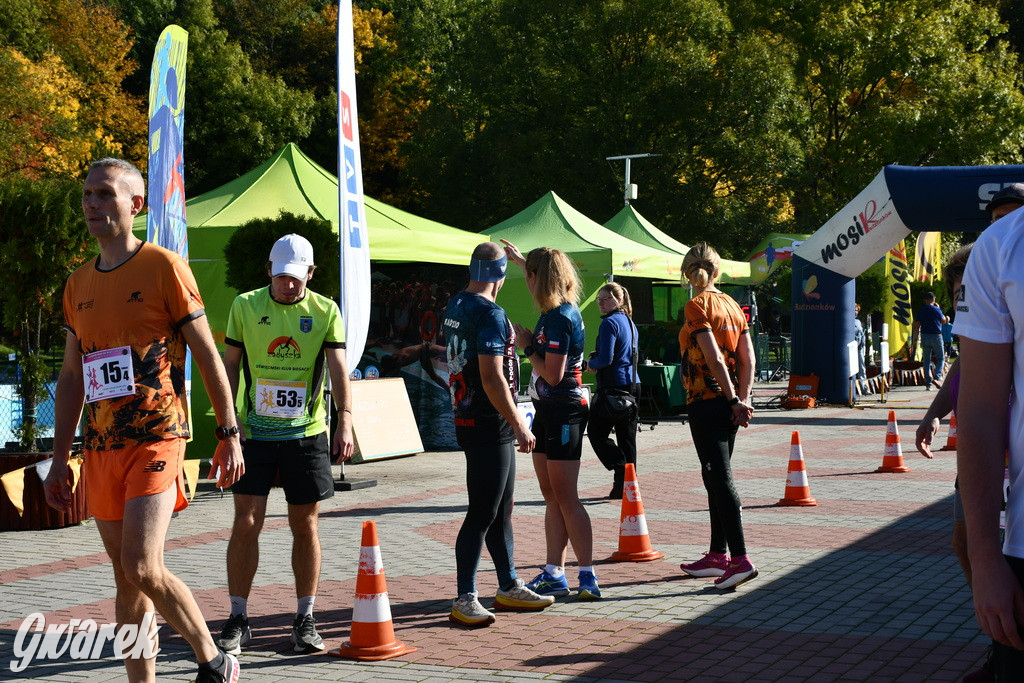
{"type": "Point", "coordinates": [129, 313]}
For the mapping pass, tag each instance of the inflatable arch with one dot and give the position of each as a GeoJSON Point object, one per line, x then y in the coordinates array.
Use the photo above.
{"type": "Point", "coordinates": [899, 200]}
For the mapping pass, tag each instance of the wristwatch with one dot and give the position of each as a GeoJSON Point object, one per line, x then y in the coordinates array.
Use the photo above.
{"type": "Point", "coordinates": [528, 350]}
{"type": "Point", "coordinates": [734, 401]}
{"type": "Point", "coordinates": [223, 433]}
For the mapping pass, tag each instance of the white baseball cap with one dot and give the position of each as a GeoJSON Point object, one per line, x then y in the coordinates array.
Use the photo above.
{"type": "Point", "coordinates": [291, 255]}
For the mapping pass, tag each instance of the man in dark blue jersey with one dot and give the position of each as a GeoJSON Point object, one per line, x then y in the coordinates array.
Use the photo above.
{"type": "Point", "coordinates": [483, 379]}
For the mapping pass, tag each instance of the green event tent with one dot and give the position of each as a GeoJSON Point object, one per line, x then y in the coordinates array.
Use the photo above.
{"type": "Point", "coordinates": [291, 181]}
{"type": "Point", "coordinates": [630, 223]}
{"type": "Point", "coordinates": [596, 251]}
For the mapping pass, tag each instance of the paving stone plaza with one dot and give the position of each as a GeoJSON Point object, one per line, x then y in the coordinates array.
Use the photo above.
{"type": "Point", "coordinates": [862, 587]}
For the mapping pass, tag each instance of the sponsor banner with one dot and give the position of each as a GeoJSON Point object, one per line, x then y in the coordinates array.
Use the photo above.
{"type": "Point", "coordinates": [898, 313]}
{"type": "Point", "coordinates": [165, 222]}
{"type": "Point", "coordinates": [854, 238]}
{"type": "Point", "coordinates": [165, 219]}
{"type": "Point", "coordinates": [928, 254]}
{"type": "Point", "coordinates": [355, 240]}
{"type": "Point", "coordinates": [823, 304]}
{"type": "Point", "coordinates": [774, 250]}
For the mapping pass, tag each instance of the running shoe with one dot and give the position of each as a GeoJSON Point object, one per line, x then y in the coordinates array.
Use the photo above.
{"type": "Point", "coordinates": [304, 635]}
{"type": "Point", "coordinates": [712, 564]}
{"type": "Point", "coordinates": [588, 587]}
{"type": "Point", "coordinates": [519, 598]}
{"type": "Point", "coordinates": [545, 584]}
{"type": "Point", "coordinates": [739, 571]}
{"type": "Point", "coordinates": [235, 634]}
{"type": "Point", "coordinates": [227, 673]}
{"type": "Point", "coordinates": [467, 611]}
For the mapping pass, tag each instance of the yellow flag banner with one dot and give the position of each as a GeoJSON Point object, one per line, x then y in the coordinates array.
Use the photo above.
{"type": "Point", "coordinates": [191, 469]}
{"type": "Point", "coordinates": [898, 314]}
{"type": "Point", "coordinates": [927, 256]}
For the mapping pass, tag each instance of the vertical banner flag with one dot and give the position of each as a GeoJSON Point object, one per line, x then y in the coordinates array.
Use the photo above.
{"type": "Point", "coordinates": [927, 255]}
{"type": "Point", "coordinates": [165, 222]}
{"type": "Point", "coordinates": [165, 225]}
{"type": "Point", "coordinates": [355, 240]}
{"type": "Point", "coordinates": [898, 313]}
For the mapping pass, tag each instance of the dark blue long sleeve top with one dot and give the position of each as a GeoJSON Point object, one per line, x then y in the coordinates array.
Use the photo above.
{"type": "Point", "coordinates": [613, 361]}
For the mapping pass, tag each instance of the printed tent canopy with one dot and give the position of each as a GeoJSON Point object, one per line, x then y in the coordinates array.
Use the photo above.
{"type": "Point", "coordinates": [291, 181]}
{"type": "Point", "coordinates": [629, 223]}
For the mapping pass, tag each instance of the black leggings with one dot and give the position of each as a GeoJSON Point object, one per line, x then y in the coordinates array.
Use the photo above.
{"type": "Point", "coordinates": [714, 436]}
{"type": "Point", "coordinates": [599, 430]}
{"type": "Point", "coordinates": [490, 481]}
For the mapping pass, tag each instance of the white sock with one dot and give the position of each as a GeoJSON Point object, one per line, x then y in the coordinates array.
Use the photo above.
{"type": "Point", "coordinates": [305, 608]}
{"type": "Point", "coordinates": [588, 569]}
{"type": "Point", "coordinates": [239, 605]}
{"type": "Point", "coordinates": [554, 570]}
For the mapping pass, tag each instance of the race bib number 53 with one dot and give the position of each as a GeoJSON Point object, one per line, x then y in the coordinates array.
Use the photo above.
{"type": "Point", "coordinates": [108, 374]}
{"type": "Point", "coordinates": [278, 398]}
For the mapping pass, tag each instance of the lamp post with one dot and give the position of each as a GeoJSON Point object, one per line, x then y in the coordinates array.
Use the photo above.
{"type": "Point", "coordinates": [629, 189]}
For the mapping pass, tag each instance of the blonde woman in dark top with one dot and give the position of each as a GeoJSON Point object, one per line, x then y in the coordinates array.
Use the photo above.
{"type": "Point", "coordinates": [555, 351]}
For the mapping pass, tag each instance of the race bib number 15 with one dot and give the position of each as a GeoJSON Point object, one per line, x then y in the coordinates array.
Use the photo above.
{"type": "Point", "coordinates": [278, 398]}
{"type": "Point", "coordinates": [108, 374]}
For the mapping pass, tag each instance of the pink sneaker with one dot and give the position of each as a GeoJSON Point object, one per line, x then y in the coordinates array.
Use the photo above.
{"type": "Point", "coordinates": [712, 564]}
{"type": "Point", "coordinates": [740, 570]}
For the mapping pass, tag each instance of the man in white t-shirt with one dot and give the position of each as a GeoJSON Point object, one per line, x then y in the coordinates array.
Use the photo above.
{"type": "Point", "coordinates": [990, 322]}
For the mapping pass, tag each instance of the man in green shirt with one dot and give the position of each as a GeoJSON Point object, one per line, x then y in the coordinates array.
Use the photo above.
{"type": "Point", "coordinates": [278, 339]}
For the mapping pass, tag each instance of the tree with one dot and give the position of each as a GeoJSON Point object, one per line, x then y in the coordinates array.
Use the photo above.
{"type": "Point", "coordinates": [248, 247]}
{"type": "Point", "coordinates": [39, 127]}
{"type": "Point", "coordinates": [554, 89]}
{"type": "Point", "coordinates": [920, 82]}
{"type": "Point", "coordinates": [236, 117]}
{"type": "Point", "coordinates": [61, 90]}
{"type": "Point", "coordinates": [44, 240]}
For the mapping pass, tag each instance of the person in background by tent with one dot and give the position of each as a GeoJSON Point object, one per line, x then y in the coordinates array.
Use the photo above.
{"type": "Point", "coordinates": [484, 378]}
{"type": "Point", "coordinates": [615, 363]}
{"type": "Point", "coordinates": [555, 352]}
{"type": "Point", "coordinates": [718, 372]}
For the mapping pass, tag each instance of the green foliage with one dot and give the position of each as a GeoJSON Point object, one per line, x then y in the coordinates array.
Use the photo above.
{"type": "Point", "coordinates": [236, 117]}
{"type": "Point", "coordinates": [44, 240]}
{"type": "Point", "coordinates": [918, 82]}
{"type": "Point", "coordinates": [871, 289]}
{"type": "Point", "coordinates": [248, 249]}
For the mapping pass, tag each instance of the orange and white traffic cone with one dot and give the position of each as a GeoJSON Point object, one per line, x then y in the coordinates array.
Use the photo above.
{"type": "Point", "coordinates": [951, 436]}
{"type": "Point", "coordinates": [373, 635]}
{"type": "Point", "coordinates": [634, 541]}
{"type": "Point", "coordinates": [892, 459]}
{"type": "Point", "coordinates": [798, 491]}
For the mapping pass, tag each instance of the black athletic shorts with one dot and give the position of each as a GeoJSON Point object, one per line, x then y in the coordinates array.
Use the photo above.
{"type": "Point", "coordinates": [302, 467]}
{"type": "Point", "coordinates": [559, 428]}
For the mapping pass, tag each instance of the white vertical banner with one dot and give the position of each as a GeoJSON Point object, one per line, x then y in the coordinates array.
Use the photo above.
{"type": "Point", "coordinates": [355, 240]}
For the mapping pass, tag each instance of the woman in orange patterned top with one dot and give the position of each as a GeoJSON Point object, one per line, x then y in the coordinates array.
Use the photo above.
{"type": "Point", "coordinates": [718, 373]}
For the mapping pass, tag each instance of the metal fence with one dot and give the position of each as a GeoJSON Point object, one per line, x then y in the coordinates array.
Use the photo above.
{"type": "Point", "coordinates": [773, 356]}
{"type": "Point", "coordinates": [12, 406]}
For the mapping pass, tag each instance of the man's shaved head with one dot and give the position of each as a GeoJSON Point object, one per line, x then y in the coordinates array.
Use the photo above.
{"type": "Point", "coordinates": [130, 176]}
{"type": "Point", "coordinates": [488, 251]}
